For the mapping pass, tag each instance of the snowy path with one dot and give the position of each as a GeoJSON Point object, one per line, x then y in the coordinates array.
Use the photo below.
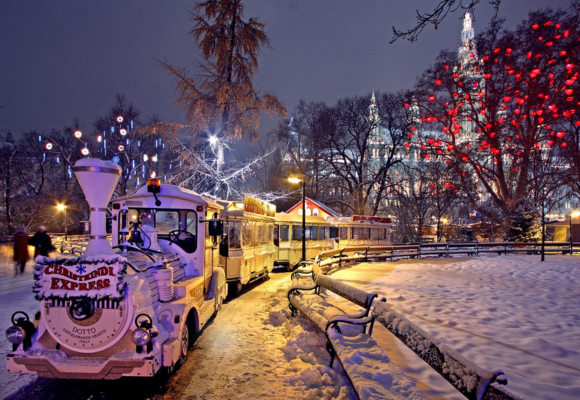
{"type": "Point", "coordinates": [509, 312]}
{"type": "Point", "coordinates": [253, 350]}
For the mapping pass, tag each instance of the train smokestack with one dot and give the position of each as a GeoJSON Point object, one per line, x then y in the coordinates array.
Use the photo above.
{"type": "Point", "coordinates": [98, 180]}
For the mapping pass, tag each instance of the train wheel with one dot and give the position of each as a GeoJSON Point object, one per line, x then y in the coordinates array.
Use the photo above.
{"type": "Point", "coordinates": [184, 342]}
{"type": "Point", "coordinates": [239, 287]}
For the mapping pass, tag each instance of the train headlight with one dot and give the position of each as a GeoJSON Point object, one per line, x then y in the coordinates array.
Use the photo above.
{"type": "Point", "coordinates": [141, 336]}
{"type": "Point", "coordinates": [15, 335]}
{"type": "Point", "coordinates": [21, 331]}
{"type": "Point", "coordinates": [81, 310]}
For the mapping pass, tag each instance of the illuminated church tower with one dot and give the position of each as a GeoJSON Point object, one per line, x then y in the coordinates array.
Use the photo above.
{"type": "Point", "coordinates": [469, 71]}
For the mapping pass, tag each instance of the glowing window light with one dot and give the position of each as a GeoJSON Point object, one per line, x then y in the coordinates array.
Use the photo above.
{"type": "Point", "coordinates": [78, 134]}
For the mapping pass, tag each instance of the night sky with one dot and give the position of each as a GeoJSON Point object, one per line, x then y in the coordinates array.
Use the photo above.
{"type": "Point", "coordinates": [61, 60]}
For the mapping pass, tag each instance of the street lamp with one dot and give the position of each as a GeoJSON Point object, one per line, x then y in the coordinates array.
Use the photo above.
{"type": "Point", "coordinates": [572, 214]}
{"type": "Point", "coordinates": [62, 207]}
{"type": "Point", "coordinates": [297, 178]}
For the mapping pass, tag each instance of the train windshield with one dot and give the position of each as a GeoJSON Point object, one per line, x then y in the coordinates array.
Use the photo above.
{"type": "Point", "coordinates": [178, 226]}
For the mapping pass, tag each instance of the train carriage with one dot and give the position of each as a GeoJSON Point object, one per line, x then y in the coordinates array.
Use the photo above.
{"type": "Point", "coordinates": [360, 230]}
{"type": "Point", "coordinates": [247, 247]}
{"type": "Point", "coordinates": [128, 310]}
{"type": "Point", "coordinates": [288, 238]}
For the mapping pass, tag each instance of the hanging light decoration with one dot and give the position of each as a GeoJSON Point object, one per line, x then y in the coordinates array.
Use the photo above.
{"type": "Point", "coordinates": [48, 146]}
{"type": "Point", "coordinates": [145, 157]}
{"type": "Point", "coordinates": [121, 147]}
{"type": "Point", "coordinates": [123, 132]}
{"type": "Point", "coordinates": [154, 158]}
{"type": "Point", "coordinates": [78, 134]}
{"type": "Point", "coordinates": [153, 174]}
{"type": "Point", "coordinates": [119, 119]}
{"type": "Point", "coordinates": [99, 138]}
{"type": "Point", "coordinates": [85, 151]}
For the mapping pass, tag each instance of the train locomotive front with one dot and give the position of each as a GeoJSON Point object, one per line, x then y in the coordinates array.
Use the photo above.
{"type": "Point", "coordinates": [130, 309]}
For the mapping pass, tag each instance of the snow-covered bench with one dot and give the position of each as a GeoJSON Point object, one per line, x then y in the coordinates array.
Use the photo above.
{"type": "Point", "coordinates": [471, 380]}
{"type": "Point", "coordinates": [306, 299]}
{"type": "Point", "coordinates": [369, 369]}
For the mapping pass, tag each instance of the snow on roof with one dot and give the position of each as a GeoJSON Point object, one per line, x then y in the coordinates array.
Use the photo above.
{"type": "Point", "coordinates": [283, 217]}
{"type": "Point", "coordinates": [323, 207]}
{"type": "Point", "coordinates": [173, 191]}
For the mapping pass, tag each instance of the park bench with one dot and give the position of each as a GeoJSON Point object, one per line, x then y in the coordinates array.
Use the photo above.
{"type": "Point", "coordinates": [346, 335]}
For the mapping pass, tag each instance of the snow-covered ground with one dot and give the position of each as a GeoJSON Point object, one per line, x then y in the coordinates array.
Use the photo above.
{"type": "Point", "coordinates": [503, 312]}
{"type": "Point", "coordinates": [508, 312]}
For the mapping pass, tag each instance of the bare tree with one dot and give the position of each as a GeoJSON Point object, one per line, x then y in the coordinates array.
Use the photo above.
{"type": "Point", "coordinates": [437, 16]}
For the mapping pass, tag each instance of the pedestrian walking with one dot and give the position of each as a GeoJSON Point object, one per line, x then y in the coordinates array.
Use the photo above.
{"type": "Point", "coordinates": [21, 254]}
{"type": "Point", "coordinates": [41, 242]}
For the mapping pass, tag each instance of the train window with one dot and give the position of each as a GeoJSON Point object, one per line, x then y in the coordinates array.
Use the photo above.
{"type": "Point", "coordinates": [344, 233]}
{"type": "Point", "coordinates": [262, 238]}
{"type": "Point", "coordinates": [276, 232]}
{"type": "Point", "coordinates": [314, 232]}
{"type": "Point", "coordinates": [284, 233]}
{"type": "Point", "coordinates": [166, 221]}
{"type": "Point", "coordinates": [248, 234]}
{"type": "Point", "coordinates": [296, 232]}
{"type": "Point", "coordinates": [270, 233]}
{"type": "Point", "coordinates": [323, 233]}
{"type": "Point", "coordinates": [374, 233]}
{"type": "Point", "coordinates": [366, 233]}
{"type": "Point", "coordinates": [382, 233]}
{"type": "Point", "coordinates": [234, 229]}
{"type": "Point", "coordinates": [191, 222]}
{"type": "Point", "coordinates": [333, 232]}
{"type": "Point", "coordinates": [308, 231]}
{"type": "Point", "coordinates": [356, 233]}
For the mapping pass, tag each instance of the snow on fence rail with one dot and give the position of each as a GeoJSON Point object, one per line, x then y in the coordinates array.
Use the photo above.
{"type": "Point", "coordinates": [472, 381]}
{"type": "Point", "coordinates": [331, 260]}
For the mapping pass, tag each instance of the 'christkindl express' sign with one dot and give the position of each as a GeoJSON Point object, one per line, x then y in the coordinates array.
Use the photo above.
{"type": "Point", "coordinates": [93, 277]}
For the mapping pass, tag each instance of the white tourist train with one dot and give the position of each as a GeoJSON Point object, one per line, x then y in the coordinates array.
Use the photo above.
{"type": "Point", "coordinates": [129, 310]}
{"type": "Point", "coordinates": [129, 306]}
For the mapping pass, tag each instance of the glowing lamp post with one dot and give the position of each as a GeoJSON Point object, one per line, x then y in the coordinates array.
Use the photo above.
{"type": "Point", "coordinates": [297, 178]}
{"type": "Point", "coordinates": [62, 207]}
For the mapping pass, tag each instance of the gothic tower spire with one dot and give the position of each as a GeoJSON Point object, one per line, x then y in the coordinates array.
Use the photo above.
{"type": "Point", "coordinates": [467, 52]}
